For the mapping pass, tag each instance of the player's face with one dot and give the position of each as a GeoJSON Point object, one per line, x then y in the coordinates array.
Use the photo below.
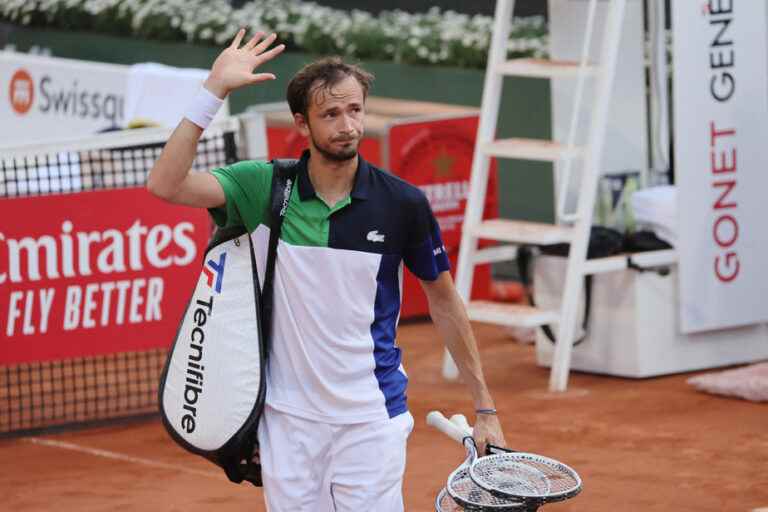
{"type": "Point", "coordinates": [334, 121]}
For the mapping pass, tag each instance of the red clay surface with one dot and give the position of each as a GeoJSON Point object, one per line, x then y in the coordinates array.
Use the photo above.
{"type": "Point", "coordinates": [640, 445]}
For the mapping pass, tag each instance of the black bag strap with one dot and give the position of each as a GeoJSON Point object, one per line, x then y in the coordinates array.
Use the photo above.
{"type": "Point", "coordinates": [283, 181]}
{"type": "Point", "coordinates": [239, 465]}
{"type": "Point", "coordinates": [524, 257]}
{"type": "Point", "coordinates": [603, 242]}
{"type": "Point", "coordinates": [243, 466]}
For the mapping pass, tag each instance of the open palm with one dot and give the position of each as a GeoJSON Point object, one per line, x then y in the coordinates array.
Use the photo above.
{"type": "Point", "coordinates": [235, 66]}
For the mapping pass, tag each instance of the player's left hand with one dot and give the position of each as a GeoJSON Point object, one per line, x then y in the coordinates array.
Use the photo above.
{"type": "Point", "coordinates": [487, 430]}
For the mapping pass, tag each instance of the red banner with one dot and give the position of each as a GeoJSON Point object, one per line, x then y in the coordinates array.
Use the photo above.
{"type": "Point", "coordinates": [436, 156]}
{"type": "Point", "coordinates": [94, 273]}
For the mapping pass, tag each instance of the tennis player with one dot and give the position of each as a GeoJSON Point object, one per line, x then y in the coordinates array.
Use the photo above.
{"type": "Point", "coordinates": [334, 430]}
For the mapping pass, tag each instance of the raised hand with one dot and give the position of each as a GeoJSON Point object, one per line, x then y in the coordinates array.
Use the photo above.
{"type": "Point", "coordinates": [234, 67]}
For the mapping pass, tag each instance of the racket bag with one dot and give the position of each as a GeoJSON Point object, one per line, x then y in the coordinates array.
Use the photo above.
{"type": "Point", "coordinates": [213, 386]}
{"type": "Point", "coordinates": [602, 242]}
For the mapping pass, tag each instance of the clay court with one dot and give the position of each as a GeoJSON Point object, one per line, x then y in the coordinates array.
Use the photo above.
{"type": "Point", "coordinates": [640, 445]}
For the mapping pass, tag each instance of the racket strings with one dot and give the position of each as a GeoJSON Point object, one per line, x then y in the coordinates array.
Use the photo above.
{"type": "Point", "coordinates": [511, 477]}
{"type": "Point", "coordinates": [465, 491]}
{"type": "Point", "coordinates": [525, 475]}
{"type": "Point", "coordinates": [445, 503]}
{"type": "Point", "coordinates": [560, 478]}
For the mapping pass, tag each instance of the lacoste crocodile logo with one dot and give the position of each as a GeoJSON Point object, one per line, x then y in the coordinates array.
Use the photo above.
{"type": "Point", "coordinates": [375, 236]}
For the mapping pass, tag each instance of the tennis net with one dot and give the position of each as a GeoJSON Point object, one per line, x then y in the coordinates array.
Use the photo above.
{"type": "Point", "coordinates": [42, 394]}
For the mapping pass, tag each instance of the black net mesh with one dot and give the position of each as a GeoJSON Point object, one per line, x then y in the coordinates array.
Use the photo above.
{"type": "Point", "coordinates": [67, 171]}
{"type": "Point", "coordinates": [43, 394]}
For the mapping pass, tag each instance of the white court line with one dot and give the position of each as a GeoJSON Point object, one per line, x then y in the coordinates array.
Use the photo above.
{"type": "Point", "coordinates": [118, 456]}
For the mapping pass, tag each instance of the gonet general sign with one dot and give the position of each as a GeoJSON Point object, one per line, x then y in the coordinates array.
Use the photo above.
{"type": "Point", "coordinates": [721, 122]}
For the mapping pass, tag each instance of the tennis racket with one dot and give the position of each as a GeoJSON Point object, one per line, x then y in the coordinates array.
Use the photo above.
{"type": "Point", "coordinates": [460, 492]}
{"type": "Point", "coordinates": [444, 502]}
{"type": "Point", "coordinates": [508, 475]}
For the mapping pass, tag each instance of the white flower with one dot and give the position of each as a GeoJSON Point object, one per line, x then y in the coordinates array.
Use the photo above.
{"type": "Point", "coordinates": [436, 36]}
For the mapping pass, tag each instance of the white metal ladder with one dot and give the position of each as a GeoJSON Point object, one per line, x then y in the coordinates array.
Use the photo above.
{"type": "Point", "coordinates": [569, 227]}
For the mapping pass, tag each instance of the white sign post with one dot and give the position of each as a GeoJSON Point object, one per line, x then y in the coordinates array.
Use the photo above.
{"type": "Point", "coordinates": [721, 161]}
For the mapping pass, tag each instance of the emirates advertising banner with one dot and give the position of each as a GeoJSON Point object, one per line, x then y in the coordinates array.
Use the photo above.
{"type": "Point", "coordinates": [721, 159]}
{"type": "Point", "coordinates": [94, 273]}
{"type": "Point", "coordinates": [44, 97]}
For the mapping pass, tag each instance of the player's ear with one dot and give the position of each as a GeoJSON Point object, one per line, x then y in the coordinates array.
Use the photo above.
{"type": "Point", "coordinates": [301, 124]}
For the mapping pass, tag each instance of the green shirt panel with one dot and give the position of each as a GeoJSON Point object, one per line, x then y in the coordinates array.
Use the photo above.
{"type": "Point", "coordinates": [247, 187]}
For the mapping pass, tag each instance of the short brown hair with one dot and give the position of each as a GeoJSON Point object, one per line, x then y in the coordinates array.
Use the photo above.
{"type": "Point", "coordinates": [323, 73]}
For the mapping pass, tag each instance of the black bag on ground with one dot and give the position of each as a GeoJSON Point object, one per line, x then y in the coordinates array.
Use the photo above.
{"type": "Point", "coordinates": [603, 242]}
{"type": "Point", "coordinates": [644, 241]}
{"type": "Point", "coordinates": [212, 388]}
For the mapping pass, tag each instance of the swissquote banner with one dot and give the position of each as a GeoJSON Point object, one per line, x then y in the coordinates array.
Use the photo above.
{"type": "Point", "coordinates": [94, 273]}
{"type": "Point", "coordinates": [44, 98]}
{"type": "Point", "coordinates": [47, 98]}
{"type": "Point", "coordinates": [721, 161]}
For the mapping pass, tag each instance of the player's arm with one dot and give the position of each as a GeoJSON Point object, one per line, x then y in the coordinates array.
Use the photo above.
{"type": "Point", "coordinates": [450, 318]}
{"type": "Point", "coordinates": [170, 178]}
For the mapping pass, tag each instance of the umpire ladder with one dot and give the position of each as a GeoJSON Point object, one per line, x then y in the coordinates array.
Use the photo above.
{"type": "Point", "coordinates": [569, 227]}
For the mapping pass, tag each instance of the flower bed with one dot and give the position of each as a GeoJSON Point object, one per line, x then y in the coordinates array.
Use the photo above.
{"type": "Point", "coordinates": [434, 37]}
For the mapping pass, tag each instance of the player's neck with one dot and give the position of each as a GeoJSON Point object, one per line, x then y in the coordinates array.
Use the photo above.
{"type": "Point", "coordinates": [332, 180]}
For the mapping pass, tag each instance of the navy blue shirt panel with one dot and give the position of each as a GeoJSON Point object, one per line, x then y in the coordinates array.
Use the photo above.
{"type": "Point", "coordinates": [387, 215]}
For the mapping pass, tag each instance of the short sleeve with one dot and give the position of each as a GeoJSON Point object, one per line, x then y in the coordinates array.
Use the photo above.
{"type": "Point", "coordinates": [424, 254]}
{"type": "Point", "coordinates": [247, 187]}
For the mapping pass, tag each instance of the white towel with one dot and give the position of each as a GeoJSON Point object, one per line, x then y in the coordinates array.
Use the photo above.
{"type": "Point", "coordinates": [656, 209]}
{"type": "Point", "coordinates": [160, 94]}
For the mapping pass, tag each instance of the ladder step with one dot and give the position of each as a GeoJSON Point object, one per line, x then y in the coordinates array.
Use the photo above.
{"type": "Point", "coordinates": [512, 315]}
{"type": "Point", "coordinates": [530, 149]}
{"type": "Point", "coordinates": [522, 232]}
{"type": "Point", "coordinates": [542, 68]}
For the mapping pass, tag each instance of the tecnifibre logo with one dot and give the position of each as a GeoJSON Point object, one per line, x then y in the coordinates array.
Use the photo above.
{"type": "Point", "coordinates": [21, 91]}
{"type": "Point", "coordinates": [214, 270]}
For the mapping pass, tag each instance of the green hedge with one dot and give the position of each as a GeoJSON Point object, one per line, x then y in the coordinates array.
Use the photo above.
{"type": "Point", "coordinates": [431, 38]}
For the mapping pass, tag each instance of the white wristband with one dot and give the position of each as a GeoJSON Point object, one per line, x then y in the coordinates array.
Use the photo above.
{"type": "Point", "coordinates": [203, 108]}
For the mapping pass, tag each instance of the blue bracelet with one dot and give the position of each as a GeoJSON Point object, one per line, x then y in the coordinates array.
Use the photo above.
{"type": "Point", "coordinates": [491, 412]}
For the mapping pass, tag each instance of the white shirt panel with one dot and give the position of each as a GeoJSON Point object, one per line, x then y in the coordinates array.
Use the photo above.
{"type": "Point", "coordinates": [321, 362]}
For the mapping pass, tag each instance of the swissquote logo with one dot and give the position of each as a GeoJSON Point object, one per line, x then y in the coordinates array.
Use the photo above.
{"type": "Point", "coordinates": [63, 96]}
{"type": "Point", "coordinates": [375, 236]}
{"type": "Point", "coordinates": [21, 91]}
{"type": "Point", "coordinates": [215, 271]}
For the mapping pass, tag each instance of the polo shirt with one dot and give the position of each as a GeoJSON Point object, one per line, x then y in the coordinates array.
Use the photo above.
{"type": "Point", "coordinates": [338, 286]}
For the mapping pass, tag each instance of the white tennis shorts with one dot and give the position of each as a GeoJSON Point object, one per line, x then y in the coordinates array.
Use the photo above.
{"type": "Point", "coordinates": [318, 467]}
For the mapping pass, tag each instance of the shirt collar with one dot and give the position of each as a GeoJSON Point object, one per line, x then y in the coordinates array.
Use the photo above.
{"type": "Point", "coordinates": [359, 188]}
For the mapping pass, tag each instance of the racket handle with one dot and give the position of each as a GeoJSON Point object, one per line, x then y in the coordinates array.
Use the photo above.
{"type": "Point", "coordinates": [461, 421]}
{"type": "Point", "coordinates": [444, 425]}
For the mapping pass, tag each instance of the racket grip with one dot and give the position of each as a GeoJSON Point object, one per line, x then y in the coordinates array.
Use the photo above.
{"type": "Point", "coordinates": [437, 420]}
{"type": "Point", "coordinates": [461, 421]}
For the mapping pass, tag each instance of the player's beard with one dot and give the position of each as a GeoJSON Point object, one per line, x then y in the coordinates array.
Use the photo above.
{"type": "Point", "coordinates": [345, 153]}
